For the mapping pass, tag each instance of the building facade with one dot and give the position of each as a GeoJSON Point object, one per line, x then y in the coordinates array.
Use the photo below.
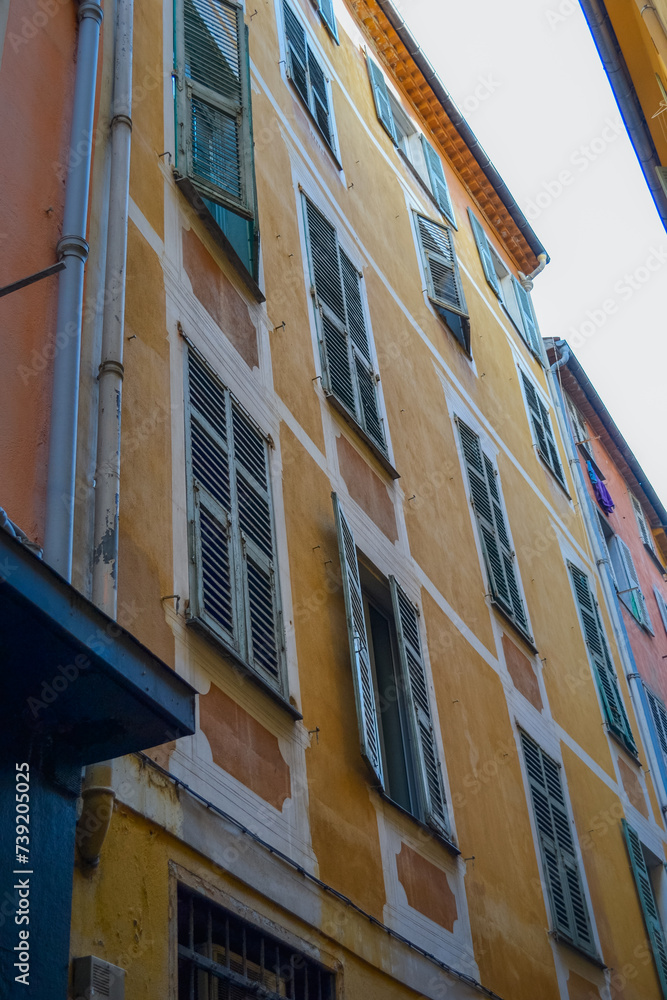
{"type": "Point", "coordinates": [320, 473]}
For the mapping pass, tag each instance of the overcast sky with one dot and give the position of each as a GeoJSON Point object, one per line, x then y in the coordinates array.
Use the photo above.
{"type": "Point", "coordinates": [528, 78]}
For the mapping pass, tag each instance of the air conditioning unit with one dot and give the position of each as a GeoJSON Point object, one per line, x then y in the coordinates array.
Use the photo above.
{"type": "Point", "coordinates": [95, 979]}
{"type": "Point", "coordinates": [253, 972]}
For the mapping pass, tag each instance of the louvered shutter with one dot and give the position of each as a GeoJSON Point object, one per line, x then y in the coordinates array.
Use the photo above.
{"type": "Point", "coordinates": [596, 643]}
{"type": "Point", "coordinates": [532, 335]}
{"type": "Point", "coordinates": [662, 606]}
{"type": "Point", "coordinates": [539, 416]}
{"type": "Point", "coordinates": [347, 368]}
{"type": "Point", "coordinates": [485, 254]}
{"type": "Point", "coordinates": [442, 272]}
{"type": "Point", "coordinates": [381, 98]}
{"type": "Point", "coordinates": [414, 673]}
{"type": "Point", "coordinates": [644, 531]}
{"type": "Point", "coordinates": [498, 553]}
{"type": "Point", "coordinates": [438, 181]}
{"type": "Point", "coordinates": [635, 597]}
{"type": "Point", "coordinates": [659, 716]}
{"type": "Point", "coordinates": [568, 902]}
{"type": "Point", "coordinates": [359, 650]}
{"type": "Point", "coordinates": [306, 73]}
{"type": "Point", "coordinates": [648, 903]}
{"type": "Point", "coordinates": [216, 134]}
{"type": "Point", "coordinates": [327, 14]}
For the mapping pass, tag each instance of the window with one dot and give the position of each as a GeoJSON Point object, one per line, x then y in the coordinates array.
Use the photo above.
{"type": "Point", "coordinates": [648, 870]}
{"type": "Point", "coordinates": [326, 12]}
{"type": "Point", "coordinates": [215, 150]}
{"type": "Point", "coordinates": [539, 418]}
{"type": "Point", "coordinates": [581, 435]}
{"type": "Point", "coordinates": [569, 910]}
{"type": "Point", "coordinates": [642, 524]}
{"type": "Point", "coordinates": [443, 281]}
{"type": "Point", "coordinates": [662, 606]}
{"type": "Point", "coordinates": [391, 689]}
{"type": "Point", "coordinates": [626, 580]}
{"type": "Point", "coordinates": [307, 75]}
{"type": "Point", "coordinates": [348, 372]}
{"type": "Point", "coordinates": [221, 957]}
{"type": "Point", "coordinates": [414, 146]}
{"type": "Point", "coordinates": [233, 577]}
{"type": "Point", "coordinates": [598, 652]}
{"type": "Point", "coordinates": [494, 537]}
{"type": "Point", "coordinates": [511, 292]}
{"type": "Point", "coordinates": [659, 718]}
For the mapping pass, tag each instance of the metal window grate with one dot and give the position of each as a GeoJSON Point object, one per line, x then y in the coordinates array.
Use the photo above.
{"type": "Point", "coordinates": [221, 957]}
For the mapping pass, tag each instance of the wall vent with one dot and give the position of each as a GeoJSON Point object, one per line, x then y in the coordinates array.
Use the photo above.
{"type": "Point", "coordinates": [95, 979]}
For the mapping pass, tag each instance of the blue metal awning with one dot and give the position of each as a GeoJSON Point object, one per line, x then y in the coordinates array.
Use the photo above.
{"type": "Point", "coordinates": [71, 678]}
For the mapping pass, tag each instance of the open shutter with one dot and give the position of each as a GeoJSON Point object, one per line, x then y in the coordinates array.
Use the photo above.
{"type": "Point", "coordinates": [532, 334]}
{"type": "Point", "coordinates": [297, 52]}
{"type": "Point", "coordinates": [442, 272]}
{"type": "Point", "coordinates": [414, 674]}
{"type": "Point", "coordinates": [539, 415]}
{"type": "Point", "coordinates": [359, 650]}
{"type": "Point", "coordinates": [327, 14]}
{"type": "Point", "coordinates": [596, 643]}
{"type": "Point", "coordinates": [438, 181]}
{"type": "Point", "coordinates": [485, 254]}
{"type": "Point", "coordinates": [320, 97]}
{"type": "Point", "coordinates": [659, 716]}
{"type": "Point", "coordinates": [644, 531]}
{"type": "Point", "coordinates": [662, 606]}
{"type": "Point", "coordinates": [648, 903]}
{"type": "Point", "coordinates": [381, 98]}
{"type": "Point", "coordinates": [568, 903]}
{"type": "Point", "coordinates": [635, 598]}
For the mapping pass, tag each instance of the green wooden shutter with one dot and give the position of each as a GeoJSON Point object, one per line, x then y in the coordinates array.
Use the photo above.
{"type": "Point", "coordinates": [414, 674]}
{"type": "Point", "coordinates": [568, 902]}
{"type": "Point", "coordinates": [531, 333]}
{"type": "Point", "coordinates": [635, 598]}
{"type": "Point", "coordinates": [327, 14]}
{"type": "Point", "coordinates": [659, 716]}
{"type": "Point", "coordinates": [438, 181]}
{"type": "Point", "coordinates": [306, 73]}
{"type": "Point", "coordinates": [442, 272]}
{"type": "Point", "coordinates": [539, 415]}
{"type": "Point", "coordinates": [484, 251]}
{"type": "Point", "coordinates": [648, 903]}
{"type": "Point", "coordinates": [498, 553]}
{"type": "Point", "coordinates": [320, 97]}
{"type": "Point", "coordinates": [359, 650]}
{"type": "Point", "coordinates": [381, 98]}
{"type": "Point", "coordinates": [596, 643]}
{"type": "Point", "coordinates": [662, 606]}
{"type": "Point", "coordinates": [215, 111]}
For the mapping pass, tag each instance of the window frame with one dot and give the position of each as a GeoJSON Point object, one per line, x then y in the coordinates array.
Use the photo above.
{"type": "Point", "coordinates": [308, 100]}
{"type": "Point", "coordinates": [623, 572]}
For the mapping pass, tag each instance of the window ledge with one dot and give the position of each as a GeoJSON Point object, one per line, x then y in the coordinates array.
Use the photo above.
{"type": "Point", "coordinates": [244, 668]}
{"type": "Point", "coordinates": [197, 202]}
{"type": "Point", "coordinates": [553, 474]}
{"type": "Point", "coordinates": [431, 830]}
{"type": "Point", "coordinates": [594, 958]}
{"type": "Point", "coordinates": [526, 639]}
{"type": "Point", "coordinates": [377, 452]}
{"type": "Point", "coordinates": [632, 754]}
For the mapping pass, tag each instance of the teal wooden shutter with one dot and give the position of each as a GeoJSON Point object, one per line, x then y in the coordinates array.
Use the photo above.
{"type": "Point", "coordinates": [659, 716]}
{"type": "Point", "coordinates": [327, 14]}
{"type": "Point", "coordinates": [215, 114]}
{"type": "Point", "coordinates": [381, 98]}
{"type": "Point", "coordinates": [635, 597]}
{"type": "Point", "coordinates": [364, 691]}
{"type": "Point", "coordinates": [596, 643]}
{"type": "Point", "coordinates": [662, 606]}
{"type": "Point", "coordinates": [568, 902]}
{"type": "Point", "coordinates": [443, 281]}
{"type": "Point", "coordinates": [484, 251]}
{"type": "Point", "coordinates": [414, 674]}
{"type": "Point", "coordinates": [531, 333]}
{"type": "Point", "coordinates": [306, 73]}
{"type": "Point", "coordinates": [648, 903]}
{"type": "Point", "coordinates": [438, 181]}
{"type": "Point", "coordinates": [539, 416]}
{"type": "Point", "coordinates": [498, 553]}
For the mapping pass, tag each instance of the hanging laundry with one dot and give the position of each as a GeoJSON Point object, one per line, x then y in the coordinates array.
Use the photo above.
{"type": "Point", "coordinates": [601, 492]}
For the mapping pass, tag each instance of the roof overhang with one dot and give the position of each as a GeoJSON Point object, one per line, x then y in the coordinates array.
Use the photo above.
{"type": "Point", "coordinates": [73, 680]}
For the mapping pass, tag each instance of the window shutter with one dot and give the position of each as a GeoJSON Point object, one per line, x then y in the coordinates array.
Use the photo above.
{"type": "Point", "coordinates": [659, 716]}
{"type": "Point", "coordinates": [442, 272]}
{"type": "Point", "coordinates": [662, 606]}
{"type": "Point", "coordinates": [539, 416]}
{"type": "Point", "coordinates": [216, 112]}
{"type": "Point", "coordinates": [568, 903]}
{"type": "Point", "coordinates": [438, 181]}
{"type": "Point", "coordinates": [531, 332]}
{"type": "Point", "coordinates": [327, 14]}
{"type": "Point", "coordinates": [596, 643]}
{"type": "Point", "coordinates": [306, 74]}
{"type": "Point", "coordinates": [644, 530]}
{"type": "Point", "coordinates": [320, 97]}
{"type": "Point", "coordinates": [359, 650]}
{"type": "Point", "coordinates": [486, 502]}
{"type": "Point", "coordinates": [647, 902]}
{"type": "Point", "coordinates": [381, 98]}
{"type": "Point", "coordinates": [636, 596]}
{"type": "Point", "coordinates": [485, 254]}
{"type": "Point", "coordinates": [414, 674]}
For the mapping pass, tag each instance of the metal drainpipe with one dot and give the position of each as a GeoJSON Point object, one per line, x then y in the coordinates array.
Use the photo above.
{"type": "Point", "coordinates": [654, 26]}
{"type": "Point", "coordinates": [60, 488]}
{"type": "Point", "coordinates": [601, 556]}
{"type": "Point", "coordinates": [110, 378]}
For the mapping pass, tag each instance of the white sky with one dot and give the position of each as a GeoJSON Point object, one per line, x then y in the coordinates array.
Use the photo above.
{"type": "Point", "coordinates": [527, 76]}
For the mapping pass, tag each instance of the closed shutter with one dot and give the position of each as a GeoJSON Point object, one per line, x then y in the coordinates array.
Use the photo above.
{"type": "Point", "coordinates": [327, 14]}
{"type": "Point", "coordinates": [359, 649]}
{"type": "Point", "coordinates": [485, 254]}
{"type": "Point", "coordinates": [306, 73]}
{"type": "Point", "coordinates": [644, 530]}
{"type": "Point", "coordinates": [494, 536]}
{"type": "Point", "coordinates": [539, 416]}
{"type": "Point", "coordinates": [381, 98]}
{"type": "Point", "coordinates": [347, 368]}
{"type": "Point", "coordinates": [531, 333]}
{"type": "Point", "coordinates": [438, 181]}
{"type": "Point", "coordinates": [659, 716]}
{"type": "Point", "coordinates": [596, 643]}
{"type": "Point", "coordinates": [215, 104]}
{"type": "Point", "coordinates": [634, 598]}
{"type": "Point", "coordinates": [414, 673]}
{"type": "Point", "coordinates": [648, 903]}
{"type": "Point", "coordinates": [662, 606]}
{"type": "Point", "coordinates": [568, 903]}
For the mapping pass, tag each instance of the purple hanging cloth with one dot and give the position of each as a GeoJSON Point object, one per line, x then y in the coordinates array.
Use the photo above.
{"type": "Point", "coordinates": [601, 492]}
